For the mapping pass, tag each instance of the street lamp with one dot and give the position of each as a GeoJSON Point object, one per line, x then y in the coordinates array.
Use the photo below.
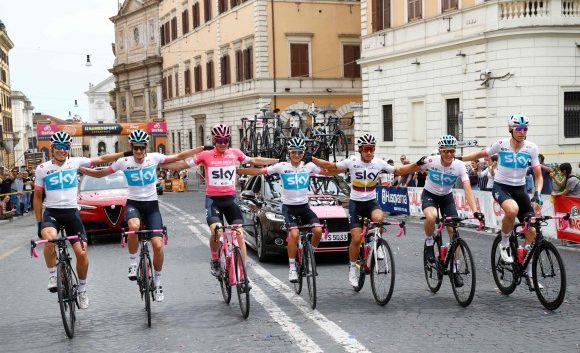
{"type": "Point", "coordinates": [88, 63]}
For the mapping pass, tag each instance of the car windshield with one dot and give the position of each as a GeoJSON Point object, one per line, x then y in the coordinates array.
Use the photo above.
{"type": "Point", "coordinates": [319, 185]}
{"type": "Point", "coordinates": [113, 181]}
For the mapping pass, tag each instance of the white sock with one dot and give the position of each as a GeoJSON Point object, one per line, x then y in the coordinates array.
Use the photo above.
{"type": "Point", "coordinates": [505, 239]}
{"type": "Point", "coordinates": [157, 278]}
{"type": "Point", "coordinates": [429, 241]}
{"type": "Point", "coordinates": [52, 272]}
{"type": "Point", "coordinates": [82, 285]}
{"type": "Point", "coordinates": [529, 270]}
{"type": "Point", "coordinates": [353, 264]}
{"type": "Point", "coordinates": [292, 263]}
{"type": "Point", "coordinates": [455, 266]}
{"type": "Point", "coordinates": [134, 258]}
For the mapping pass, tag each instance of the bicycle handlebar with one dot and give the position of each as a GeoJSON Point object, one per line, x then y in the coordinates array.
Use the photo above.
{"type": "Point", "coordinates": [536, 221]}
{"type": "Point", "coordinates": [370, 224]}
{"type": "Point", "coordinates": [452, 221]}
{"type": "Point", "coordinates": [34, 243]}
{"type": "Point", "coordinates": [144, 232]}
{"type": "Point", "coordinates": [233, 227]}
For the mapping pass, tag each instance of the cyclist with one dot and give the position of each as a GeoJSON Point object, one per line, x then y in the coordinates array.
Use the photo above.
{"type": "Point", "coordinates": [295, 176]}
{"type": "Point", "coordinates": [219, 163]}
{"type": "Point", "coordinates": [509, 182]}
{"type": "Point", "coordinates": [142, 199]}
{"type": "Point", "coordinates": [443, 172]}
{"type": "Point", "coordinates": [364, 172]}
{"type": "Point", "coordinates": [58, 179]}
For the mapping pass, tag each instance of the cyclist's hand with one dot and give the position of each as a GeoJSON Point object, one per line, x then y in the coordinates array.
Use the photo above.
{"type": "Point", "coordinates": [537, 198]}
{"type": "Point", "coordinates": [307, 157]}
{"type": "Point", "coordinates": [207, 147]}
{"type": "Point", "coordinates": [479, 216]}
{"type": "Point", "coordinates": [38, 229]}
{"type": "Point", "coordinates": [421, 161]}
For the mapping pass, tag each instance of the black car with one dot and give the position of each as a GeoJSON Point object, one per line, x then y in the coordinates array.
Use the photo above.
{"type": "Point", "coordinates": [260, 203]}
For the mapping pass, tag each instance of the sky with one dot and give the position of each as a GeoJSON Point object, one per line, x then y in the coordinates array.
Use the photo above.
{"type": "Point", "coordinates": [51, 40]}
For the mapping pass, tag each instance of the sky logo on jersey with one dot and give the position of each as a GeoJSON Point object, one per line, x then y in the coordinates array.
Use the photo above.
{"type": "Point", "coordinates": [295, 181]}
{"type": "Point", "coordinates": [441, 178]}
{"type": "Point", "coordinates": [222, 174]}
{"type": "Point", "coordinates": [64, 179]}
{"type": "Point", "coordinates": [513, 160]}
{"type": "Point", "coordinates": [364, 175]}
{"type": "Point", "coordinates": [141, 177]}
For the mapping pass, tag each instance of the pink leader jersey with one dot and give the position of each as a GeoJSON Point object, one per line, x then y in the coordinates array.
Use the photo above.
{"type": "Point", "coordinates": [220, 170]}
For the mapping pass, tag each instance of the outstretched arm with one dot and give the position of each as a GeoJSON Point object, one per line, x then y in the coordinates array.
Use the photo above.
{"type": "Point", "coordinates": [174, 165]}
{"type": "Point", "coordinates": [107, 158]}
{"type": "Point", "coordinates": [325, 164]}
{"type": "Point", "coordinates": [96, 173]}
{"type": "Point", "coordinates": [330, 172]}
{"type": "Point", "coordinates": [250, 171]}
{"type": "Point", "coordinates": [183, 155]}
{"type": "Point", "coordinates": [406, 169]}
{"type": "Point", "coordinates": [474, 156]}
{"type": "Point", "coordinates": [263, 161]}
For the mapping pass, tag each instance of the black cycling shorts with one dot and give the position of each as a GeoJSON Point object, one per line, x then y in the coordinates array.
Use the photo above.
{"type": "Point", "coordinates": [68, 218]}
{"type": "Point", "coordinates": [147, 212]}
{"type": "Point", "coordinates": [362, 209]}
{"type": "Point", "coordinates": [445, 203]}
{"type": "Point", "coordinates": [502, 192]}
{"type": "Point", "coordinates": [216, 207]}
{"type": "Point", "coordinates": [295, 215]}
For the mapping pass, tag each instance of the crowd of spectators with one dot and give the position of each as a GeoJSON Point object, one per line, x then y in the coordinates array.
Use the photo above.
{"type": "Point", "coordinates": [16, 186]}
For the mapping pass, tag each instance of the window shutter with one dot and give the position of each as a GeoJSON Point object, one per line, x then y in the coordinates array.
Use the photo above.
{"type": "Point", "coordinates": [239, 66]}
{"type": "Point", "coordinates": [176, 85]}
{"type": "Point", "coordinates": [162, 35]}
{"type": "Point", "coordinates": [169, 87]}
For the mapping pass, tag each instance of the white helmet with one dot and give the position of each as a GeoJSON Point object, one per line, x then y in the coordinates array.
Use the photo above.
{"type": "Point", "coordinates": [139, 136]}
{"type": "Point", "coordinates": [518, 119]}
{"type": "Point", "coordinates": [366, 140]}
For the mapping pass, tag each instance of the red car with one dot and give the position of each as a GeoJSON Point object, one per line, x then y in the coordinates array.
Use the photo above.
{"type": "Point", "coordinates": [102, 203]}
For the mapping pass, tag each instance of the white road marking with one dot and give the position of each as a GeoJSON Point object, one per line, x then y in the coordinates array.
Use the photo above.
{"type": "Point", "coordinates": [10, 252]}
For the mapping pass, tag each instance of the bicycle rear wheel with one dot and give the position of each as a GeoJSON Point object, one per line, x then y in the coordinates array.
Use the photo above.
{"type": "Point", "coordinates": [66, 297]}
{"type": "Point", "coordinates": [504, 274]}
{"type": "Point", "coordinates": [382, 272]}
{"type": "Point", "coordinates": [339, 145]}
{"type": "Point", "coordinates": [433, 271]}
{"type": "Point", "coordinates": [549, 276]}
{"type": "Point", "coordinates": [462, 259]}
{"type": "Point", "coordinates": [224, 278]}
{"type": "Point", "coordinates": [299, 271]}
{"type": "Point", "coordinates": [310, 273]}
{"type": "Point", "coordinates": [242, 283]}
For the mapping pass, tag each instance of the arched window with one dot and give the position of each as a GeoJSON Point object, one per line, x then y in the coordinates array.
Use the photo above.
{"type": "Point", "coordinates": [101, 148]}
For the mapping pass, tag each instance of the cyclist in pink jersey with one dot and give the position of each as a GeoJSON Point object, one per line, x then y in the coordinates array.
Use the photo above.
{"type": "Point", "coordinates": [220, 163]}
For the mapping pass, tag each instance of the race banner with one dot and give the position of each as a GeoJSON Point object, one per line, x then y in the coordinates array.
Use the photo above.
{"type": "Point", "coordinates": [101, 129]}
{"type": "Point", "coordinates": [563, 205]}
{"type": "Point", "coordinates": [393, 200]}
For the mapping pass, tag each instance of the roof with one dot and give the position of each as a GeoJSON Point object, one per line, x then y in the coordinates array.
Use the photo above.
{"type": "Point", "coordinates": [43, 117]}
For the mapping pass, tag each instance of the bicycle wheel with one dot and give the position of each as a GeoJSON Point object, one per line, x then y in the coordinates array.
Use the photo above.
{"type": "Point", "coordinates": [433, 271]}
{"type": "Point", "coordinates": [462, 259]}
{"type": "Point", "coordinates": [310, 273]}
{"type": "Point", "coordinates": [339, 144]}
{"type": "Point", "coordinates": [299, 271]}
{"type": "Point", "coordinates": [224, 278]}
{"type": "Point", "coordinates": [145, 285]}
{"type": "Point", "coordinates": [382, 272]}
{"type": "Point", "coordinates": [504, 274]}
{"type": "Point", "coordinates": [66, 297]}
{"type": "Point", "coordinates": [242, 283]}
{"type": "Point", "coordinates": [549, 276]}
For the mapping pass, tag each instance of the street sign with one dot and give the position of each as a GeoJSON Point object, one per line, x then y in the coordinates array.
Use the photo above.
{"type": "Point", "coordinates": [467, 143]}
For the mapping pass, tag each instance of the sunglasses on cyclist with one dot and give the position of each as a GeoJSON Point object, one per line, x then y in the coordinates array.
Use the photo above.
{"type": "Point", "coordinates": [139, 148]}
{"type": "Point", "coordinates": [367, 149]}
{"type": "Point", "coordinates": [61, 146]}
{"type": "Point", "coordinates": [298, 152]}
{"type": "Point", "coordinates": [521, 128]}
{"type": "Point", "coordinates": [222, 141]}
{"type": "Point", "coordinates": [447, 150]}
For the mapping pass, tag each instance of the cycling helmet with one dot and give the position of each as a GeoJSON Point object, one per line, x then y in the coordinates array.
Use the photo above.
{"type": "Point", "coordinates": [60, 137]}
{"type": "Point", "coordinates": [447, 141]}
{"type": "Point", "coordinates": [296, 143]}
{"type": "Point", "coordinates": [138, 136]}
{"type": "Point", "coordinates": [518, 119]}
{"type": "Point", "coordinates": [366, 139]}
{"type": "Point", "coordinates": [220, 130]}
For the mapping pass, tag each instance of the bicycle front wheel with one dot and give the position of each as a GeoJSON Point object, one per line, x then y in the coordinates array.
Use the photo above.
{"type": "Point", "coordinates": [242, 283]}
{"type": "Point", "coordinates": [549, 276]}
{"type": "Point", "coordinates": [299, 271]}
{"type": "Point", "coordinates": [66, 297]}
{"type": "Point", "coordinates": [145, 285]}
{"type": "Point", "coordinates": [504, 274]}
{"type": "Point", "coordinates": [310, 274]}
{"type": "Point", "coordinates": [224, 278]}
{"type": "Point", "coordinates": [382, 272]}
{"type": "Point", "coordinates": [462, 273]}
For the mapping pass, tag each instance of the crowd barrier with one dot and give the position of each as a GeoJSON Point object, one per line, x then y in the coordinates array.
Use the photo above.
{"type": "Point", "coordinates": [408, 201]}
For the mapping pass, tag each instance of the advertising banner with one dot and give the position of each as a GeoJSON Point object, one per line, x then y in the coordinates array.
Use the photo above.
{"type": "Point", "coordinates": [393, 200]}
{"type": "Point", "coordinates": [101, 129]}
{"type": "Point", "coordinates": [568, 204]}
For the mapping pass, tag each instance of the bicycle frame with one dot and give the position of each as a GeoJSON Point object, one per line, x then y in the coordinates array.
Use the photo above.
{"type": "Point", "coordinates": [371, 233]}
{"type": "Point", "coordinates": [452, 222]}
{"type": "Point", "coordinates": [229, 243]}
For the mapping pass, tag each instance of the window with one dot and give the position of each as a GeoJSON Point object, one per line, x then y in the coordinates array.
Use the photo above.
{"type": "Point", "coordinates": [453, 117]}
{"type": "Point", "coordinates": [197, 74]}
{"type": "Point", "coordinates": [173, 140]}
{"type": "Point", "coordinates": [248, 63]}
{"type": "Point", "coordinates": [239, 66]}
{"type": "Point", "coordinates": [234, 3]}
{"type": "Point", "coordinates": [169, 87]}
{"type": "Point", "coordinates": [299, 65]}
{"type": "Point", "coordinates": [195, 15]}
{"type": "Point", "coordinates": [176, 85]}
{"type": "Point", "coordinates": [174, 28]}
{"type": "Point", "coordinates": [381, 14]}
{"type": "Point", "coordinates": [164, 88]}
{"type": "Point", "coordinates": [350, 54]}
{"type": "Point", "coordinates": [187, 81]}
{"type": "Point", "coordinates": [162, 32]}
{"type": "Point", "coordinates": [209, 74]}
{"type": "Point", "coordinates": [190, 139]}
{"type": "Point", "coordinates": [179, 140]}
{"type": "Point", "coordinates": [571, 114]}
{"type": "Point", "coordinates": [222, 6]}
{"type": "Point", "coordinates": [167, 33]}
{"type": "Point", "coordinates": [207, 10]}
{"type": "Point", "coordinates": [388, 122]}
{"type": "Point", "coordinates": [414, 10]}
{"type": "Point", "coordinates": [225, 70]}
{"type": "Point", "coordinates": [185, 21]}
{"type": "Point", "coordinates": [448, 5]}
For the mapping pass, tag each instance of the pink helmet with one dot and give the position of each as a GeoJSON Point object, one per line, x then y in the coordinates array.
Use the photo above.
{"type": "Point", "coordinates": [220, 130]}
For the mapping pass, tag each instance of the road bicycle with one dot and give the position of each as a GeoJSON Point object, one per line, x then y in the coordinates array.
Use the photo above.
{"type": "Point", "coordinates": [66, 279]}
{"type": "Point", "coordinates": [248, 142]}
{"type": "Point", "coordinates": [305, 261]}
{"type": "Point", "coordinates": [145, 267]}
{"type": "Point", "coordinates": [232, 267]}
{"type": "Point", "coordinates": [453, 260]}
{"type": "Point", "coordinates": [548, 272]}
{"type": "Point", "coordinates": [331, 140]}
{"type": "Point", "coordinates": [376, 258]}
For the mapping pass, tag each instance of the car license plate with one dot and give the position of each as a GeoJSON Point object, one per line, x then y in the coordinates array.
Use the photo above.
{"type": "Point", "coordinates": [336, 237]}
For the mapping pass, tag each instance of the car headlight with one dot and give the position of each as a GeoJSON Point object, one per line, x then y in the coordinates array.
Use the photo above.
{"type": "Point", "coordinates": [274, 217]}
{"type": "Point", "coordinates": [87, 207]}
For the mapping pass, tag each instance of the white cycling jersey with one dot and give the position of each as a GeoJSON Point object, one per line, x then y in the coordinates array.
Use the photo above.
{"type": "Point", "coordinates": [295, 181]}
{"type": "Point", "coordinates": [512, 166]}
{"type": "Point", "coordinates": [60, 183]}
{"type": "Point", "coordinates": [364, 176]}
{"type": "Point", "coordinates": [440, 180]}
{"type": "Point", "coordinates": [141, 177]}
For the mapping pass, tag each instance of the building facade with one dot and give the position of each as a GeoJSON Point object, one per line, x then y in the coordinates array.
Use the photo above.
{"type": "Point", "coordinates": [432, 67]}
{"type": "Point", "coordinates": [24, 134]}
{"type": "Point", "coordinates": [224, 60]}
{"type": "Point", "coordinates": [6, 126]}
{"type": "Point", "coordinates": [100, 112]}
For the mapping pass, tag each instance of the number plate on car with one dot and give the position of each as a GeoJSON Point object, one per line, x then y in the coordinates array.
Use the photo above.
{"type": "Point", "coordinates": [336, 237]}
